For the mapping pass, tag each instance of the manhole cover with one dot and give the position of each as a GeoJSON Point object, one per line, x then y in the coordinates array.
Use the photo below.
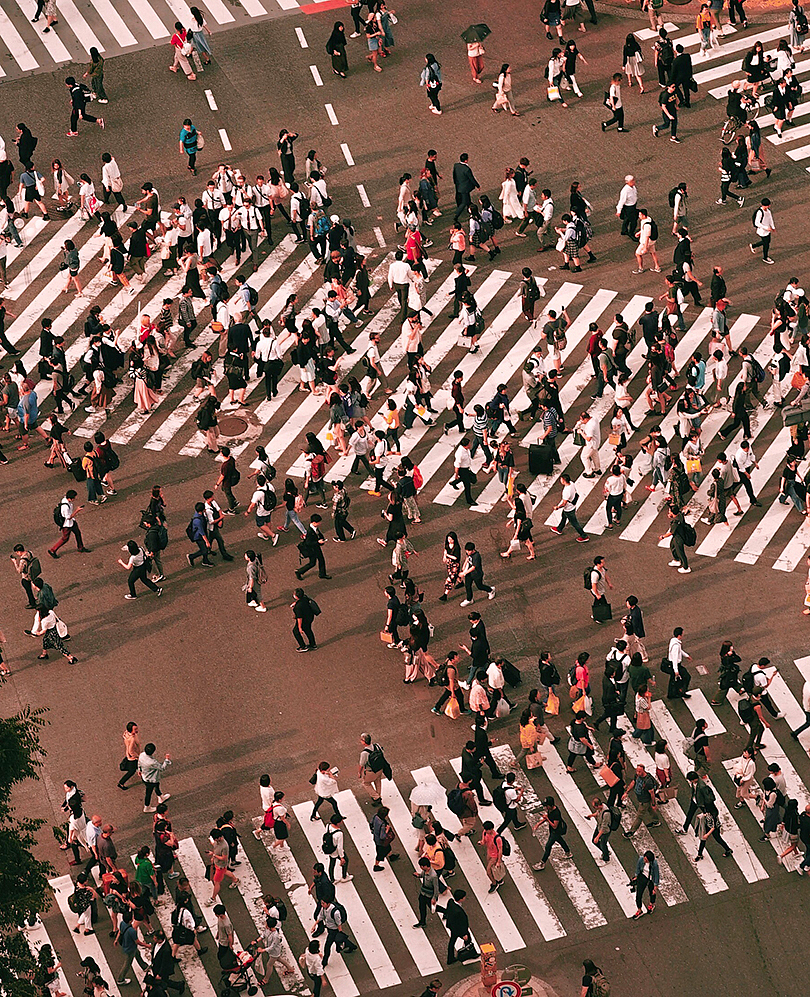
{"type": "Point", "coordinates": [232, 425]}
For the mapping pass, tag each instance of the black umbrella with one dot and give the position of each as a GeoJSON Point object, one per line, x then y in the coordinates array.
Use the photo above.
{"type": "Point", "coordinates": [475, 33]}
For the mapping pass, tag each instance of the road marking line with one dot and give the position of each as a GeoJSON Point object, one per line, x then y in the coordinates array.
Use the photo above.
{"type": "Point", "coordinates": [347, 153]}
{"type": "Point", "coordinates": [316, 76]}
{"type": "Point", "coordinates": [380, 238]}
{"type": "Point", "coordinates": [14, 43]}
{"type": "Point", "coordinates": [226, 142]}
{"type": "Point", "coordinates": [80, 28]}
{"type": "Point", "coordinates": [151, 21]}
{"type": "Point", "coordinates": [51, 41]}
{"type": "Point", "coordinates": [330, 111]}
{"type": "Point", "coordinates": [211, 102]}
{"type": "Point", "coordinates": [361, 190]}
{"type": "Point", "coordinates": [302, 37]}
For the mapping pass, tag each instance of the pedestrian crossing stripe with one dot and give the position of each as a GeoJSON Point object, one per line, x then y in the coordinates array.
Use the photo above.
{"type": "Point", "coordinates": [509, 916]}
{"type": "Point", "coordinates": [111, 28]}
{"type": "Point", "coordinates": [495, 294]}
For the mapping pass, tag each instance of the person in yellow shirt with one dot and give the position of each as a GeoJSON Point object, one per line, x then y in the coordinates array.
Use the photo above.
{"type": "Point", "coordinates": [392, 420]}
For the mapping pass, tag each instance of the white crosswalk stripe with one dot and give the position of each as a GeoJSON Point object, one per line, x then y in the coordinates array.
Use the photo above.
{"type": "Point", "coordinates": [37, 936]}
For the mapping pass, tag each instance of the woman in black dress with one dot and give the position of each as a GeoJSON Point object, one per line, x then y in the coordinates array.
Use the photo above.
{"type": "Point", "coordinates": [336, 47]}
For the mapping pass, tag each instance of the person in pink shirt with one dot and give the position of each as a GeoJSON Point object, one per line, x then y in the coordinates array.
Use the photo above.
{"type": "Point", "coordinates": [182, 50]}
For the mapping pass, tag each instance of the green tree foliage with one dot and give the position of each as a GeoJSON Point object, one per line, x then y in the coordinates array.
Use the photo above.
{"type": "Point", "coordinates": [24, 889]}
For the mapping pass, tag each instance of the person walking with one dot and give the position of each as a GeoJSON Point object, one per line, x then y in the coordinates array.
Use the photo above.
{"type": "Point", "coordinates": [644, 788]}
{"type": "Point", "coordinates": [668, 99]}
{"type": "Point", "coordinates": [132, 751]}
{"type": "Point", "coordinates": [647, 877]}
{"type": "Point", "coordinates": [138, 565]}
{"type": "Point", "coordinates": [475, 58]}
{"type": "Point", "coordinates": [150, 771]}
{"type": "Point", "coordinates": [764, 227]}
{"type": "Point", "coordinates": [632, 61]}
{"type": "Point", "coordinates": [431, 80]}
{"type": "Point", "coordinates": [626, 207]}
{"type": "Point", "coordinates": [311, 547]}
{"type": "Point", "coordinates": [183, 48]}
{"type": "Point", "coordinates": [613, 102]}
{"type": "Point", "coordinates": [336, 49]}
{"type": "Point", "coordinates": [472, 573]}
{"type": "Point", "coordinates": [78, 106]}
{"type": "Point", "coordinates": [65, 518]}
{"type": "Point", "coordinates": [557, 828]}
{"type": "Point", "coordinates": [503, 91]}
{"type": "Point", "coordinates": [304, 615]}
{"type": "Point", "coordinates": [465, 183]}
{"type": "Point", "coordinates": [708, 826]}
{"type": "Point", "coordinates": [566, 506]}
{"type": "Point", "coordinates": [604, 819]}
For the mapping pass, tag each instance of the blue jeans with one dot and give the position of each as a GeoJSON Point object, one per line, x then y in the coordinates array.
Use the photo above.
{"type": "Point", "coordinates": [12, 233]}
{"type": "Point", "coordinates": [790, 492]}
{"type": "Point", "coordinates": [571, 517]}
{"type": "Point", "coordinates": [94, 490]}
{"type": "Point", "coordinates": [292, 517]}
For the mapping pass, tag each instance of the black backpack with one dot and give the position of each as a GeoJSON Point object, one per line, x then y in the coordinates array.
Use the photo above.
{"type": "Point", "coordinates": [615, 818]}
{"type": "Point", "coordinates": [190, 530]}
{"type": "Point", "coordinates": [689, 535]}
{"type": "Point", "coordinates": [747, 682]}
{"type": "Point", "coordinates": [58, 518]}
{"type": "Point", "coordinates": [506, 848]}
{"type": "Point", "coordinates": [653, 230]}
{"type": "Point", "coordinates": [316, 609]}
{"type": "Point", "coordinates": [342, 911]}
{"type": "Point", "coordinates": [672, 195]}
{"type": "Point", "coordinates": [801, 21]}
{"type": "Point", "coordinates": [455, 801]}
{"type": "Point", "coordinates": [270, 499]}
{"type": "Point", "coordinates": [441, 674]}
{"type": "Point", "coordinates": [328, 844]}
{"type": "Point", "coordinates": [253, 296]}
{"type": "Point", "coordinates": [746, 711]}
{"type": "Point", "coordinates": [280, 906]}
{"type": "Point", "coordinates": [586, 578]}
{"type": "Point", "coordinates": [497, 218]}
{"type": "Point", "coordinates": [376, 758]}
{"type": "Point", "coordinates": [756, 368]}
{"type": "Point", "coordinates": [499, 798]}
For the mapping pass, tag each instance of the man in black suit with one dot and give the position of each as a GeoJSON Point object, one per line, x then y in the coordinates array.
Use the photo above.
{"type": "Point", "coordinates": [164, 963]}
{"type": "Point", "coordinates": [311, 546]}
{"type": "Point", "coordinates": [681, 75]}
{"type": "Point", "coordinates": [465, 183]}
{"type": "Point", "coordinates": [458, 924]}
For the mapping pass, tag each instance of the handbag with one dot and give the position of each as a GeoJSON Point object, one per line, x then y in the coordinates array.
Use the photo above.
{"type": "Point", "coordinates": [693, 465]}
{"type": "Point", "coordinates": [798, 380]}
{"type": "Point", "coordinates": [553, 92]}
{"type": "Point", "coordinates": [123, 765]}
{"type": "Point", "coordinates": [535, 760]}
{"type": "Point", "coordinates": [117, 184]}
{"type": "Point", "coordinates": [579, 439]}
{"type": "Point", "coordinates": [560, 244]}
{"type": "Point", "coordinates": [552, 704]}
{"type": "Point", "coordinates": [614, 439]}
{"type": "Point", "coordinates": [61, 628]}
{"type": "Point", "coordinates": [606, 101]}
{"type": "Point", "coordinates": [602, 612]}
{"type": "Point", "coordinates": [467, 953]}
{"type": "Point", "coordinates": [386, 637]}
{"type": "Point", "coordinates": [200, 141]}
{"type": "Point", "coordinates": [608, 776]}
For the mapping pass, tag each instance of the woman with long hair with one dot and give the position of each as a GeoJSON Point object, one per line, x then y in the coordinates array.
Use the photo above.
{"type": "Point", "coordinates": [61, 183]}
{"type": "Point", "coordinates": [95, 71]}
{"type": "Point", "coordinates": [451, 558]}
{"type": "Point", "coordinates": [198, 31]}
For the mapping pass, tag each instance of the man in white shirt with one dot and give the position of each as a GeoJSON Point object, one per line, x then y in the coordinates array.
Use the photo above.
{"type": "Point", "coordinates": [359, 445]}
{"type": "Point", "coordinates": [546, 209]}
{"type": "Point", "coordinates": [264, 501]}
{"type": "Point", "coordinates": [398, 280]}
{"type": "Point", "coordinates": [213, 202]}
{"type": "Point", "coordinates": [462, 470]}
{"type": "Point", "coordinates": [325, 788]}
{"type": "Point", "coordinates": [762, 682]}
{"type": "Point", "coordinates": [67, 512]}
{"type": "Point", "coordinates": [764, 225]}
{"type": "Point", "coordinates": [626, 206]}
{"type": "Point", "coordinates": [373, 366]}
{"type": "Point", "coordinates": [679, 677]}
{"type": "Point", "coordinates": [746, 462]}
{"type": "Point", "coordinates": [7, 226]}
{"type": "Point", "coordinates": [251, 220]}
{"type": "Point", "coordinates": [614, 489]}
{"type": "Point", "coordinates": [513, 795]}
{"type": "Point", "coordinates": [338, 853]}
{"type": "Point", "coordinates": [111, 181]}
{"type": "Point", "coordinates": [215, 518]}
{"type": "Point", "coordinates": [567, 505]}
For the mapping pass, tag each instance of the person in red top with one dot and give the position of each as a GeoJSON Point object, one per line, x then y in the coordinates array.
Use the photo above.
{"type": "Point", "coordinates": [182, 50]}
{"type": "Point", "coordinates": [413, 250]}
{"type": "Point", "coordinates": [594, 336]}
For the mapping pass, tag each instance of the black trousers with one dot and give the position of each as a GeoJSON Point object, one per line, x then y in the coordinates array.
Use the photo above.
{"type": "Point", "coordinates": [272, 372]}
{"type": "Point", "coordinates": [306, 630]}
{"type": "Point", "coordinates": [77, 113]}
{"type": "Point", "coordinates": [117, 194]}
{"type": "Point", "coordinates": [629, 216]}
{"type": "Point", "coordinates": [424, 908]}
{"type": "Point", "coordinates": [717, 837]}
{"type": "Point", "coordinates": [342, 525]}
{"type": "Point", "coordinates": [462, 204]}
{"type": "Point", "coordinates": [316, 557]}
{"type": "Point", "coordinates": [478, 581]}
{"type": "Point", "coordinates": [642, 885]}
{"type": "Point", "coordinates": [131, 769]}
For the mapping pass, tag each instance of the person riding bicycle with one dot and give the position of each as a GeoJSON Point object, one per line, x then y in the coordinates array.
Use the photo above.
{"type": "Point", "coordinates": [734, 104]}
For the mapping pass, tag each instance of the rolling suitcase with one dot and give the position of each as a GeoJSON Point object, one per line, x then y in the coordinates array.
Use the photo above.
{"type": "Point", "coordinates": [541, 459]}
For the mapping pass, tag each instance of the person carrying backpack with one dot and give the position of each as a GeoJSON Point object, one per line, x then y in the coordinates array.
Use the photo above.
{"type": "Point", "coordinates": [763, 223]}
{"type": "Point", "coordinates": [644, 787]}
{"type": "Point", "coordinates": [607, 819]}
{"type": "Point", "coordinates": [557, 828]}
{"type": "Point", "coordinates": [594, 983]}
{"type": "Point", "coordinates": [371, 768]}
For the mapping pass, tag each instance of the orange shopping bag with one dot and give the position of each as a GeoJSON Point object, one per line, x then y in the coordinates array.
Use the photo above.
{"type": "Point", "coordinates": [553, 704]}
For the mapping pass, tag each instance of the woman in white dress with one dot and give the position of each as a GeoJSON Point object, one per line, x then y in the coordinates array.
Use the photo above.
{"type": "Point", "coordinates": [405, 196]}
{"type": "Point", "coordinates": [512, 208]}
{"type": "Point", "coordinates": [61, 183]}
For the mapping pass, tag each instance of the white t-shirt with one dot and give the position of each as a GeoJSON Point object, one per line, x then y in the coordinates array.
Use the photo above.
{"type": "Point", "coordinates": [462, 457]}
{"type": "Point", "coordinates": [615, 484]}
{"type": "Point", "coordinates": [260, 496]}
{"type": "Point", "coordinates": [495, 676]}
{"type": "Point", "coordinates": [267, 793]}
{"type": "Point", "coordinates": [569, 494]}
{"type": "Point", "coordinates": [592, 434]}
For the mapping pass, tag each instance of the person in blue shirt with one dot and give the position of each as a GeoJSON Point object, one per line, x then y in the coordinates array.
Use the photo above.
{"type": "Point", "coordinates": [28, 413]}
{"type": "Point", "coordinates": [128, 941]}
{"type": "Point", "coordinates": [198, 533]}
{"type": "Point", "coordinates": [189, 144]}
